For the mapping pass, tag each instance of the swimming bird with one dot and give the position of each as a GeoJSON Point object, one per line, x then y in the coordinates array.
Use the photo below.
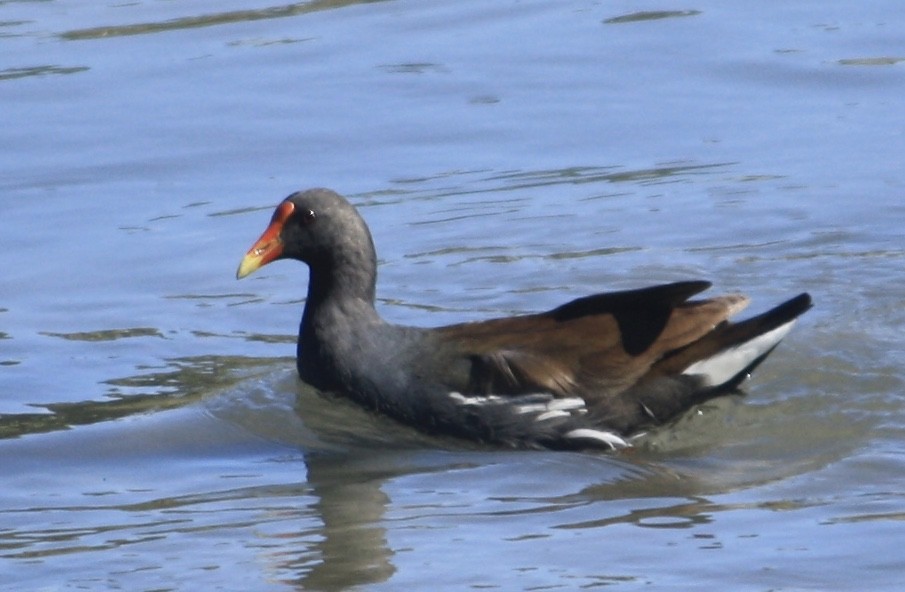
{"type": "Point", "coordinates": [590, 373]}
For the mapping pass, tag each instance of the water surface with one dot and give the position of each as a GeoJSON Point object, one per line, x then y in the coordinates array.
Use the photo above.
{"type": "Point", "coordinates": [508, 157]}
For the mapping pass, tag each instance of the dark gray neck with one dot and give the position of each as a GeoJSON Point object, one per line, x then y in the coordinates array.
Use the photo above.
{"type": "Point", "coordinates": [340, 281]}
{"type": "Point", "coordinates": [339, 313]}
{"type": "Point", "coordinates": [344, 269]}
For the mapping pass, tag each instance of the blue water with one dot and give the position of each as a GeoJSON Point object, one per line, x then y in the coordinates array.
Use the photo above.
{"type": "Point", "coordinates": [508, 156]}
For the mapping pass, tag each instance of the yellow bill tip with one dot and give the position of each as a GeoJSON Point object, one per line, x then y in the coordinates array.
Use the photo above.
{"type": "Point", "coordinates": [250, 263]}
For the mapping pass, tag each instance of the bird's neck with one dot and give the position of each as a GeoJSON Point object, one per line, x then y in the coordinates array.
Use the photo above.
{"type": "Point", "coordinates": [340, 282]}
{"type": "Point", "coordinates": [340, 275]}
{"type": "Point", "coordinates": [339, 312]}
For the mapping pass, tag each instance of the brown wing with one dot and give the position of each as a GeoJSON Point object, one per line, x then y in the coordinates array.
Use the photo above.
{"type": "Point", "coordinates": [596, 346]}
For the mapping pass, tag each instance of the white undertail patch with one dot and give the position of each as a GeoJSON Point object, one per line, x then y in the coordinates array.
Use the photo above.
{"type": "Point", "coordinates": [725, 365]}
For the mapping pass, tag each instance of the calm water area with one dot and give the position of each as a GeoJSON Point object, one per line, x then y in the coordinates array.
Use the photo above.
{"type": "Point", "coordinates": [508, 156]}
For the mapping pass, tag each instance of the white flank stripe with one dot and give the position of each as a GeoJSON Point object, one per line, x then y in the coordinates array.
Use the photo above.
{"type": "Point", "coordinates": [570, 404]}
{"type": "Point", "coordinates": [608, 438]}
{"type": "Point", "coordinates": [480, 400]}
{"type": "Point", "coordinates": [547, 409]}
{"type": "Point", "coordinates": [531, 408]}
{"type": "Point", "coordinates": [552, 414]}
{"type": "Point", "coordinates": [725, 365]}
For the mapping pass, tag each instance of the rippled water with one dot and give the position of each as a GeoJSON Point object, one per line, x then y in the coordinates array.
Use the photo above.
{"type": "Point", "coordinates": [508, 156]}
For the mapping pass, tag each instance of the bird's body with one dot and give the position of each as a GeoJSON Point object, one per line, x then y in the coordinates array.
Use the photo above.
{"type": "Point", "coordinates": [586, 374]}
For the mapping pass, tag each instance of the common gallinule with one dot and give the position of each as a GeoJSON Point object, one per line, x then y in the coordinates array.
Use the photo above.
{"type": "Point", "coordinates": [586, 374]}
